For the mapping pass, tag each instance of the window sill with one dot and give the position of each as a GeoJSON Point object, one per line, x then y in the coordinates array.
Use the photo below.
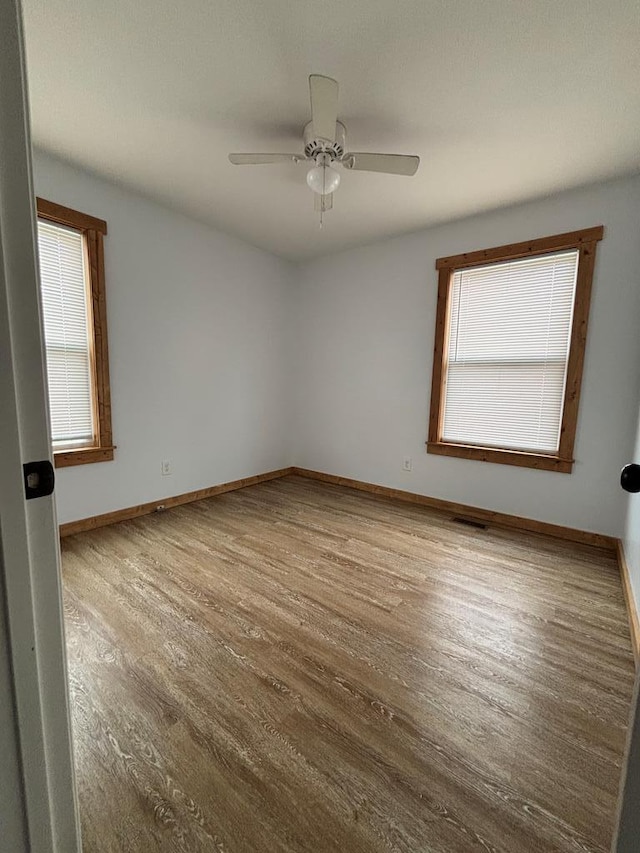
{"type": "Point", "coordinates": [505, 457]}
{"type": "Point", "coordinates": [82, 456]}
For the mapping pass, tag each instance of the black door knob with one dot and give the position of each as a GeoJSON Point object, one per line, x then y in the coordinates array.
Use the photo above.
{"type": "Point", "coordinates": [630, 478]}
{"type": "Point", "coordinates": [39, 479]}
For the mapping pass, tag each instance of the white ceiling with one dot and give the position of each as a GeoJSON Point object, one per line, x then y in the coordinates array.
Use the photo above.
{"type": "Point", "coordinates": [503, 100]}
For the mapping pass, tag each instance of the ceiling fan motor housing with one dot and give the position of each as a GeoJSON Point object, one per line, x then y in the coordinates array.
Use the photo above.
{"type": "Point", "coordinates": [314, 146]}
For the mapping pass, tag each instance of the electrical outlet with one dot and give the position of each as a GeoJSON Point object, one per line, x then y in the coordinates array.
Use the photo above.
{"type": "Point", "coordinates": [406, 463]}
{"type": "Point", "coordinates": [166, 467]}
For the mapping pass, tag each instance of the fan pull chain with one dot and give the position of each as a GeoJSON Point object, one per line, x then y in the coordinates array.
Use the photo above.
{"type": "Point", "coordinates": [324, 187]}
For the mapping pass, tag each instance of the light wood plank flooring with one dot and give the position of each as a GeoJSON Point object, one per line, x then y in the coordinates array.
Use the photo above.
{"type": "Point", "coordinates": [301, 667]}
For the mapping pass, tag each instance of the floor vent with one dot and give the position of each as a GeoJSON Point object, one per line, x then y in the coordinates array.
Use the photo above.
{"type": "Point", "coordinates": [470, 522]}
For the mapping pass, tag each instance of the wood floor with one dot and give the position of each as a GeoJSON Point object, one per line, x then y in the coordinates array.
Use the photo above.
{"type": "Point", "coordinates": [301, 667]}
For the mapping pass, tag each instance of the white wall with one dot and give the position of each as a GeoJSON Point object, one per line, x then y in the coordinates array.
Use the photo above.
{"type": "Point", "coordinates": [197, 350]}
{"type": "Point", "coordinates": [231, 362]}
{"type": "Point", "coordinates": [364, 338]}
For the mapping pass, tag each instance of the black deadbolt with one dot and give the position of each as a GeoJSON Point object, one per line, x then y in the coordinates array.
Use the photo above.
{"type": "Point", "coordinates": [630, 478]}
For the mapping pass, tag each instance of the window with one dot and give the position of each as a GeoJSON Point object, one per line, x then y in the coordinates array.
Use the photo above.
{"type": "Point", "coordinates": [75, 333]}
{"type": "Point", "coordinates": [510, 336]}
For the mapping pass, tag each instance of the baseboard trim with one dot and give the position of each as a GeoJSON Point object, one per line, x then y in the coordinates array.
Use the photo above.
{"type": "Point", "coordinates": [500, 519]}
{"type": "Point", "coordinates": [632, 609]}
{"type": "Point", "coordinates": [130, 512]}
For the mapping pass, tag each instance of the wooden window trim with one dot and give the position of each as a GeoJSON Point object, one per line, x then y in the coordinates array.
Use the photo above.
{"type": "Point", "coordinates": [93, 231]}
{"type": "Point", "coordinates": [585, 242]}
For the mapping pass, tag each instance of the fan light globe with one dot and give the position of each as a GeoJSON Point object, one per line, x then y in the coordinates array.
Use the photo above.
{"type": "Point", "coordinates": [323, 179]}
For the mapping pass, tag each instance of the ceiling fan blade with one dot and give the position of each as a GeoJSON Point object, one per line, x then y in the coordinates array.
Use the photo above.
{"type": "Point", "coordinates": [322, 203]}
{"type": "Point", "coordinates": [391, 164]}
{"type": "Point", "coordinates": [324, 106]}
{"type": "Point", "coordinates": [259, 159]}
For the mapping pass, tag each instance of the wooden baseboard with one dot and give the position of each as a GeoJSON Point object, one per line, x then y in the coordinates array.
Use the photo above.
{"type": "Point", "coordinates": [632, 608]}
{"type": "Point", "coordinates": [127, 513]}
{"type": "Point", "coordinates": [500, 519]}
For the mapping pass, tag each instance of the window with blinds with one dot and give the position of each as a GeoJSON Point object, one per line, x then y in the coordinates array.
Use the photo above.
{"type": "Point", "coordinates": [510, 337]}
{"type": "Point", "coordinates": [507, 351]}
{"type": "Point", "coordinates": [68, 335]}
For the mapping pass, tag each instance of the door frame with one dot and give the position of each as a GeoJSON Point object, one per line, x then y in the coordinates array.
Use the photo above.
{"type": "Point", "coordinates": [42, 778]}
{"type": "Point", "coordinates": [626, 837]}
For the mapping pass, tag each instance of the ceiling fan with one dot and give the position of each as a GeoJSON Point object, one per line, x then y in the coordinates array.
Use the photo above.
{"type": "Point", "coordinates": [324, 145]}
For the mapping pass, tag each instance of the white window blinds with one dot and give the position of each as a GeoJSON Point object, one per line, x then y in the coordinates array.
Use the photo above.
{"type": "Point", "coordinates": [506, 356]}
{"type": "Point", "coordinates": [63, 278]}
